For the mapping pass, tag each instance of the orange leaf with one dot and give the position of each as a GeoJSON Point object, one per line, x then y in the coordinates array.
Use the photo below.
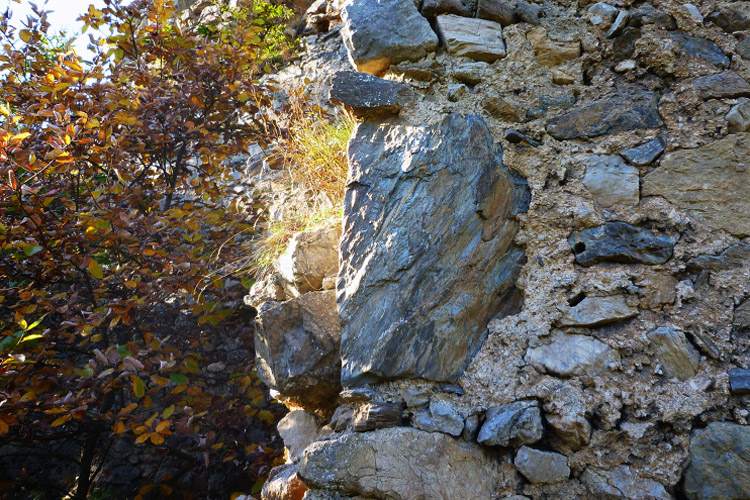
{"type": "Point", "coordinates": [163, 425]}
{"type": "Point", "coordinates": [159, 380]}
{"type": "Point", "coordinates": [4, 427]}
{"type": "Point", "coordinates": [119, 427]}
{"type": "Point", "coordinates": [156, 438]}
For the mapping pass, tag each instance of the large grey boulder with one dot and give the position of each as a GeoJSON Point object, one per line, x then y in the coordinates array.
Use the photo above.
{"type": "Point", "coordinates": [297, 349]}
{"type": "Point", "coordinates": [719, 463]}
{"type": "Point", "coordinates": [427, 254]}
{"type": "Point", "coordinates": [720, 169]}
{"type": "Point", "coordinates": [401, 463]}
{"type": "Point", "coordinates": [378, 33]}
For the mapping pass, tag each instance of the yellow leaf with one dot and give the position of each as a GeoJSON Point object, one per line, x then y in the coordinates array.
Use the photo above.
{"type": "Point", "coordinates": [139, 387]}
{"type": "Point", "coordinates": [61, 420]}
{"type": "Point", "coordinates": [156, 438]}
{"type": "Point", "coordinates": [167, 412]}
{"type": "Point", "coordinates": [128, 409]}
{"type": "Point", "coordinates": [163, 425]}
{"type": "Point", "coordinates": [124, 118]}
{"type": "Point", "coordinates": [159, 380]}
{"type": "Point", "coordinates": [119, 427]}
{"type": "Point", "coordinates": [25, 35]}
{"type": "Point", "coordinates": [141, 439]}
{"type": "Point", "coordinates": [95, 269]}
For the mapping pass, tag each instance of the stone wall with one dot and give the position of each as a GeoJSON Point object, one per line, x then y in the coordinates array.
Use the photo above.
{"type": "Point", "coordinates": [543, 270]}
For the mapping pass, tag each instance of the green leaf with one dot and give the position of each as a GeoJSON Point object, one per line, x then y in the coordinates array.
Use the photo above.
{"type": "Point", "coordinates": [178, 378]}
{"type": "Point", "coordinates": [30, 250]}
{"type": "Point", "coordinates": [95, 269]}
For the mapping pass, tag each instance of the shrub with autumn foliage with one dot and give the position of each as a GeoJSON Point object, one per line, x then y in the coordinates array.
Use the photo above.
{"type": "Point", "coordinates": [115, 214]}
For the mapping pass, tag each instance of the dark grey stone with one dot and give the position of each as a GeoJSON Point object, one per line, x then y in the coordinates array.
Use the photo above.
{"type": "Point", "coordinates": [645, 153]}
{"type": "Point", "coordinates": [741, 320]}
{"type": "Point", "coordinates": [297, 349]}
{"type": "Point", "coordinates": [608, 116]}
{"type": "Point", "coordinates": [733, 257]}
{"type": "Point", "coordinates": [621, 242]}
{"type": "Point", "coordinates": [378, 415]}
{"type": "Point", "coordinates": [732, 17]}
{"type": "Point", "coordinates": [531, 13]}
{"type": "Point", "coordinates": [693, 46]}
{"type": "Point", "coordinates": [512, 425]}
{"type": "Point", "coordinates": [719, 463]}
{"type": "Point", "coordinates": [434, 8]}
{"type": "Point", "coordinates": [544, 467]}
{"type": "Point", "coordinates": [624, 45]}
{"type": "Point", "coordinates": [726, 85]}
{"type": "Point", "coordinates": [648, 14]}
{"type": "Point", "coordinates": [619, 24]}
{"type": "Point", "coordinates": [368, 96]}
{"type": "Point", "coordinates": [515, 137]}
{"type": "Point", "coordinates": [500, 11]}
{"type": "Point", "coordinates": [427, 253]}
{"type": "Point", "coordinates": [739, 382]}
{"type": "Point", "coordinates": [743, 48]}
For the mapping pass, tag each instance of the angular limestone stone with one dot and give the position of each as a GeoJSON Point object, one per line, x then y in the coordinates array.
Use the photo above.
{"type": "Point", "coordinates": [721, 170]}
{"type": "Point", "coordinates": [368, 96]}
{"type": "Point", "coordinates": [677, 357]}
{"type": "Point", "coordinates": [550, 52]}
{"type": "Point", "coordinates": [478, 39]}
{"type": "Point", "coordinates": [584, 355]}
{"type": "Point", "coordinates": [427, 256]}
{"type": "Point", "coordinates": [283, 483]}
{"type": "Point", "coordinates": [596, 311]}
{"type": "Point", "coordinates": [719, 463]}
{"type": "Point", "coordinates": [726, 85]}
{"type": "Point", "coordinates": [612, 181]}
{"type": "Point", "coordinates": [738, 117]}
{"type": "Point", "coordinates": [404, 463]}
{"type": "Point", "coordinates": [608, 116]}
{"type": "Point", "coordinates": [297, 349]}
{"type": "Point", "coordinates": [511, 425]}
{"type": "Point", "coordinates": [384, 32]}
{"type": "Point", "coordinates": [446, 418]}
{"type": "Point", "coordinates": [622, 483]}
{"type": "Point", "coordinates": [620, 242]}
{"type": "Point", "coordinates": [541, 466]}
{"type": "Point", "coordinates": [733, 257]}
{"type": "Point", "coordinates": [298, 429]}
{"type": "Point", "coordinates": [310, 257]}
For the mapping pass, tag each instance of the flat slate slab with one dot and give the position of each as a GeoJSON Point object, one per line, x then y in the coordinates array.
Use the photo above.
{"type": "Point", "coordinates": [368, 96]}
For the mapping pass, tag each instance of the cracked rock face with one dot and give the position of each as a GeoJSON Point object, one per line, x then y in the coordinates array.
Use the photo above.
{"type": "Point", "coordinates": [297, 347]}
{"type": "Point", "coordinates": [401, 463]}
{"type": "Point", "coordinates": [422, 273]}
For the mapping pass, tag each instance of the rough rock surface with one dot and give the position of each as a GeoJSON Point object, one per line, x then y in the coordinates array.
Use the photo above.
{"type": "Point", "coordinates": [723, 85]}
{"type": "Point", "coordinates": [401, 463]}
{"type": "Point", "coordinates": [622, 483]}
{"type": "Point", "coordinates": [608, 116]}
{"type": "Point", "coordinates": [513, 424]}
{"type": "Point", "coordinates": [405, 238]}
{"type": "Point", "coordinates": [719, 463]}
{"type": "Point", "coordinates": [541, 466]}
{"type": "Point", "coordinates": [720, 168]}
{"type": "Point", "coordinates": [620, 242]}
{"type": "Point", "coordinates": [478, 39]}
{"type": "Point", "coordinates": [283, 483]}
{"type": "Point", "coordinates": [297, 347]}
{"type": "Point", "coordinates": [368, 96]}
{"type": "Point", "coordinates": [310, 257]}
{"type": "Point", "coordinates": [584, 355]}
{"type": "Point", "coordinates": [677, 356]}
{"type": "Point", "coordinates": [596, 311]}
{"type": "Point", "coordinates": [298, 429]}
{"type": "Point", "coordinates": [374, 42]}
{"type": "Point", "coordinates": [612, 181]}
